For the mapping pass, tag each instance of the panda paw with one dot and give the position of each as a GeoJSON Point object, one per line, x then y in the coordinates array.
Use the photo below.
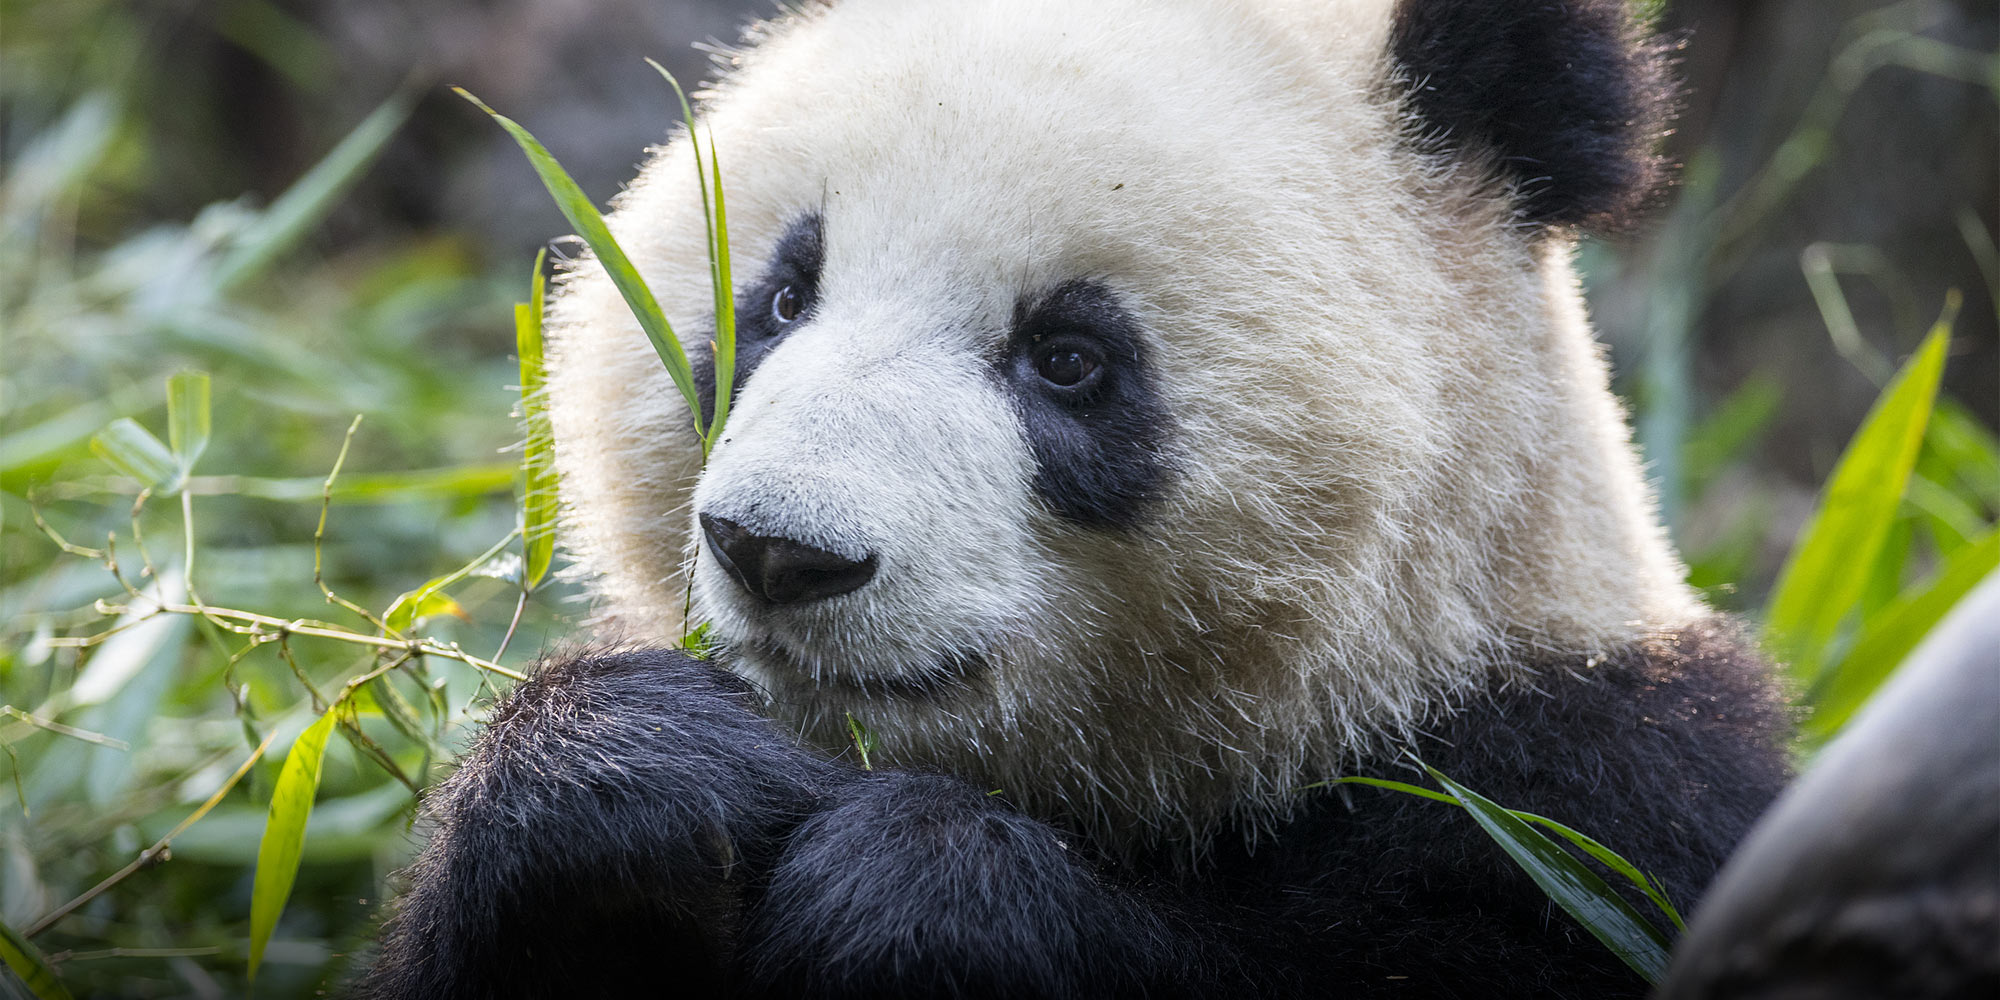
{"type": "Point", "coordinates": [921, 885]}
{"type": "Point", "coordinates": [604, 826]}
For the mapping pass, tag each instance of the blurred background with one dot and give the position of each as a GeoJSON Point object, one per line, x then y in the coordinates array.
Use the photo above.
{"type": "Point", "coordinates": [284, 194]}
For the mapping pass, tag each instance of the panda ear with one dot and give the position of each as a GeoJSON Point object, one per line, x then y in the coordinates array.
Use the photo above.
{"type": "Point", "coordinates": [1568, 99]}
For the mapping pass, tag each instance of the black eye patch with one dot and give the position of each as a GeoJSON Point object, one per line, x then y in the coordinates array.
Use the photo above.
{"type": "Point", "coordinates": [779, 301]}
{"type": "Point", "coordinates": [1079, 371]}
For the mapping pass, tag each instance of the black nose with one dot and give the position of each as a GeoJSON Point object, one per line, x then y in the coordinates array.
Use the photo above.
{"type": "Point", "coordinates": [780, 570]}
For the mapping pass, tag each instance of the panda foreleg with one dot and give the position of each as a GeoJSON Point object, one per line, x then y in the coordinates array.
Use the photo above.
{"type": "Point", "coordinates": [598, 839]}
{"type": "Point", "coordinates": [918, 885]}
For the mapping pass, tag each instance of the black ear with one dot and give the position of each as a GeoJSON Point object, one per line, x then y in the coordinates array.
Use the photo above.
{"type": "Point", "coordinates": [1568, 97]}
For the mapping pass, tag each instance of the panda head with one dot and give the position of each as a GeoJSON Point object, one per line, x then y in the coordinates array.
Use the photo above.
{"type": "Point", "coordinates": [1141, 407]}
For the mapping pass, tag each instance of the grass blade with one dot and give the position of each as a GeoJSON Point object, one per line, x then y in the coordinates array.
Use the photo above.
{"type": "Point", "coordinates": [538, 471]}
{"type": "Point", "coordinates": [1570, 884]}
{"type": "Point", "coordinates": [134, 451]}
{"type": "Point", "coordinates": [285, 834]}
{"type": "Point", "coordinates": [27, 962]}
{"type": "Point", "coordinates": [188, 419]}
{"type": "Point", "coordinates": [576, 207]}
{"type": "Point", "coordinates": [1893, 633]}
{"type": "Point", "coordinates": [1828, 566]}
{"type": "Point", "coordinates": [307, 201]}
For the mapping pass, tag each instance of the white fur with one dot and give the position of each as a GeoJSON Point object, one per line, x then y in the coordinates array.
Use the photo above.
{"type": "Point", "coordinates": [1399, 468]}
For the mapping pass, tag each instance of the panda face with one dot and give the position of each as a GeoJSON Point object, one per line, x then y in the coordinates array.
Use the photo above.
{"type": "Point", "coordinates": [888, 465]}
{"type": "Point", "coordinates": [1129, 412]}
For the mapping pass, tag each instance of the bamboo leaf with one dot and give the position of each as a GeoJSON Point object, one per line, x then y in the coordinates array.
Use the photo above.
{"type": "Point", "coordinates": [1894, 632]}
{"type": "Point", "coordinates": [285, 834]}
{"type": "Point", "coordinates": [538, 471]}
{"type": "Point", "coordinates": [1828, 567]}
{"type": "Point", "coordinates": [1613, 860]}
{"type": "Point", "coordinates": [188, 418]}
{"type": "Point", "coordinates": [1394, 786]}
{"type": "Point", "coordinates": [134, 451]}
{"type": "Point", "coordinates": [583, 215]}
{"type": "Point", "coordinates": [1571, 885]}
{"type": "Point", "coordinates": [27, 962]}
{"type": "Point", "coordinates": [429, 599]}
{"type": "Point", "coordinates": [725, 304]}
{"type": "Point", "coordinates": [1609, 858]}
{"type": "Point", "coordinates": [720, 282]}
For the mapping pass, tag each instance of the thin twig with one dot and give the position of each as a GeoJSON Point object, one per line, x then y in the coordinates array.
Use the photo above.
{"type": "Point", "coordinates": [70, 731]}
{"type": "Point", "coordinates": [319, 537]}
{"type": "Point", "coordinates": [256, 624]}
{"type": "Point", "coordinates": [154, 854]}
{"type": "Point", "coordinates": [519, 606]}
{"type": "Point", "coordinates": [139, 536]}
{"type": "Point", "coordinates": [65, 544]}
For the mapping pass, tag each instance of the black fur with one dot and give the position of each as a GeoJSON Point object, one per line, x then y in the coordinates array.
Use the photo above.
{"type": "Point", "coordinates": [1099, 448]}
{"type": "Point", "coordinates": [629, 827]}
{"type": "Point", "coordinates": [795, 262]}
{"type": "Point", "coordinates": [1569, 97]}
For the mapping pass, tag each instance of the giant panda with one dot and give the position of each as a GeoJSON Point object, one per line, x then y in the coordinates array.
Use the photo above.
{"type": "Point", "coordinates": [1146, 412]}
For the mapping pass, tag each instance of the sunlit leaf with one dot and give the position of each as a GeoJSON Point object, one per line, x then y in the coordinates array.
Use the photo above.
{"type": "Point", "coordinates": [577, 208]}
{"type": "Point", "coordinates": [134, 451]}
{"type": "Point", "coordinates": [429, 599]}
{"type": "Point", "coordinates": [285, 834]}
{"type": "Point", "coordinates": [28, 963]}
{"type": "Point", "coordinates": [538, 498]}
{"type": "Point", "coordinates": [1894, 632]}
{"type": "Point", "coordinates": [1828, 568]}
{"type": "Point", "coordinates": [1570, 884]}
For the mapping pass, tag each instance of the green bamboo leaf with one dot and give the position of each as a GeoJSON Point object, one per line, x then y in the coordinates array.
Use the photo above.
{"type": "Point", "coordinates": [1394, 786]}
{"type": "Point", "coordinates": [307, 201]}
{"type": "Point", "coordinates": [1828, 566]}
{"type": "Point", "coordinates": [134, 451]}
{"type": "Point", "coordinates": [1610, 859]}
{"type": "Point", "coordinates": [1571, 885]}
{"type": "Point", "coordinates": [430, 599]}
{"type": "Point", "coordinates": [583, 215]}
{"type": "Point", "coordinates": [27, 962]}
{"type": "Point", "coordinates": [725, 303]}
{"type": "Point", "coordinates": [1968, 449]}
{"type": "Point", "coordinates": [285, 834]}
{"type": "Point", "coordinates": [720, 282]}
{"type": "Point", "coordinates": [188, 419]}
{"type": "Point", "coordinates": [538, 471]}
{"type": "Point", "coordinates": [1613, 860]}
{"type": "Point", "coordinates": [1892, 634]}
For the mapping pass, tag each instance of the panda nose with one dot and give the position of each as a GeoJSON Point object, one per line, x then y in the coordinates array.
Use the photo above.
{"type": "Point", "coordinates": [781, 570]}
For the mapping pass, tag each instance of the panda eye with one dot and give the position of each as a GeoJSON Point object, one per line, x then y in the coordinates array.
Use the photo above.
{"type": "Point", "coordinates": [1067, 368]}
{"type": "Point", "coordinates": [786, 304]}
